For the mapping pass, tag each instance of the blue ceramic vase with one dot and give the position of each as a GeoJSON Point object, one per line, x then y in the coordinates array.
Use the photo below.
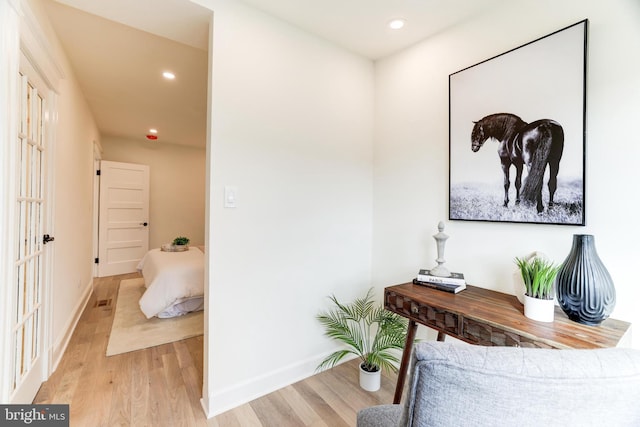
{"type": "Point", "coordinates": [584, 288]}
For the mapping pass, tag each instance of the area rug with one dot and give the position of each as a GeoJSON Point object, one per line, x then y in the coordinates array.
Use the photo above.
{"type": "Point", "coordinates": [131, 330]}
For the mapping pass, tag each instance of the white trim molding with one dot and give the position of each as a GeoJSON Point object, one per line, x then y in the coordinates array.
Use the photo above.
{"type": "Point", "coordinates": [225, 399]}
{"type": "Point", "coordinates": [9, 66]}
{"type": "Point", "coordinates": [36, 47]}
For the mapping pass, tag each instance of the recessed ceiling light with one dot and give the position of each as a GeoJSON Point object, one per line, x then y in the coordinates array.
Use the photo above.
{"type": "Point", "coordinates": [396, 24]}
{"type": "Point", "coordinates": [168, 75]}
{"type": "Point", "coordinates": [153, 130]}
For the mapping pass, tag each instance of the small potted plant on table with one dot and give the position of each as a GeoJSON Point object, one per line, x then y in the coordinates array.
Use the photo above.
{"type": "Point", "coordinates": [370, 332]}
{"type": "Point", "coordinates": [180, 244]}
{"type": "Point", "coordinates": [538, 275]}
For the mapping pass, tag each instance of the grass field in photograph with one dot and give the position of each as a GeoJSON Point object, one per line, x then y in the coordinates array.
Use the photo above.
{"type": "Point", "coordinates": [484, 202]}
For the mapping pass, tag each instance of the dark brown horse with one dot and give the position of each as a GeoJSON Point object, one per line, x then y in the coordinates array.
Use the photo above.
{"type": "Point", "coordinates": [534, 144]}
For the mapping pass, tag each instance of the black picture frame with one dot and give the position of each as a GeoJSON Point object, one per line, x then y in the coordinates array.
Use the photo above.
{"type": "Point", "coordinates": [531, 96]}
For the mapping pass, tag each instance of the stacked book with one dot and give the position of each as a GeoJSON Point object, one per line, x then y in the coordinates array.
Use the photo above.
{"type": "Point", "coordinates": [454, 283]}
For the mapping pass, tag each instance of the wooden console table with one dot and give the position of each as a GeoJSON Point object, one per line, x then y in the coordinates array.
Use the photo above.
{"type": "Point", "coordinates": [485, 317]}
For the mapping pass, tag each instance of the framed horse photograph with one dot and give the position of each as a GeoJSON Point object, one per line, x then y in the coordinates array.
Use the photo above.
{"type": "Point", "coordinates": [517, 133]}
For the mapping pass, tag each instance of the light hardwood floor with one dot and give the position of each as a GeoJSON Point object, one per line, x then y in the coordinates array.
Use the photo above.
{"type": "Point", "coordinates": [162, 386]}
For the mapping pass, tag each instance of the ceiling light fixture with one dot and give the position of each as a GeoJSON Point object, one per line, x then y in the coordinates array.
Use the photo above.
{"type": "Point", "coordinates": [153, 134]}
{"type": "Point", "coordinates": [396, 24]}
{"type": "Point", "coordinates": [168, 75]}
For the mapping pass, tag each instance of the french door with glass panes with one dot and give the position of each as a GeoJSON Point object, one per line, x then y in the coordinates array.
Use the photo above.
{"type": "Point", "coordinates": [27, 341]}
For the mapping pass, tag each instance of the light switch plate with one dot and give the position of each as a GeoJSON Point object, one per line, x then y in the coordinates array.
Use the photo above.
{"type": "Point", "coordinates": [230, 196]}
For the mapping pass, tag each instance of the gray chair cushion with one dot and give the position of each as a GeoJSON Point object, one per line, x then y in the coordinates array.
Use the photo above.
{"type": "Point", "coordinates": [465, 385]}
{"type": "Point", "coordinates": [455, 385]}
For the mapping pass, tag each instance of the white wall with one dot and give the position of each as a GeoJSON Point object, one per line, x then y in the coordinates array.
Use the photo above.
{"type": "Point", "coordinates": [292, 130]}
{"type": "Point", "coordinates": [411, 150]}
{"type": "Point", "coordinates": [177, 186]}
{"type": "Point", "coordinates": [72, 196]}
{"type": "Point", "coordinates": [73, 202]}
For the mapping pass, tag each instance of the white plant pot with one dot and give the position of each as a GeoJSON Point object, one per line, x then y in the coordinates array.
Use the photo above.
{"type": "Point", "coordinates": [541, 310]}
{"type": "Point", "coordinates": [369, 381]}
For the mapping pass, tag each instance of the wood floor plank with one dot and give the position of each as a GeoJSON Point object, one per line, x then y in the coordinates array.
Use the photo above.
{"type": "Point", "coordinates": [139, 378]}
{"type": "Point", "coordinates": [340, 405]}
{"type": "Point", "coordinates": [247, 417]}
{"type": "Point", "coordinates": [233, 418]}
{"type": "Point", "coordinates": [176, 391]}
{"type": "Point", "coordinates": [160, 413]}
{"type": "Point", "coordinates": [182, 353]}
{"type": "Point", "coordinates": [196, 346]}
{"type": "Point", "coordinates": [68, 382]}
{"type": "Point", "coordinates": [193, 385]}
{"type": "Point", "coordinates": [320, 405]}
{"type": "Point", "coordinates": [92, 398]}
{"type": "Point", "coordinates": [273, 410]}
{"type": "Point", "coordinates": [120, 410]}
{"type": "Point", "coordinates": [348, 388]}
{"type": "Point", "coordinates": [305, 412]}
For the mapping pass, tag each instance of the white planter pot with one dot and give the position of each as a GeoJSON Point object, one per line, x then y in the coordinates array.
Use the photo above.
{"type": "Point", "coordinates": [541, 310]}
{"type": "Point", "coordinates": [369, 381]}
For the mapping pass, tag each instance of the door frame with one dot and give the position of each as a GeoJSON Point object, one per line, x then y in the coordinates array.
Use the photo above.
{"type": "Point", "coordinates": [21, 34]}
{"type": "Point", "coordinates": [10, 52]}
{"type": "Point", "coordinates": [97, 157]}
{"type": "Point", "coordinates": [41, 284]}
{"type": "Point", "coordinates": [108, 181]}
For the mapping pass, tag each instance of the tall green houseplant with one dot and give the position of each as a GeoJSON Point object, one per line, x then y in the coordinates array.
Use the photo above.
{"type": "Point", "coordinates": [368, 330]}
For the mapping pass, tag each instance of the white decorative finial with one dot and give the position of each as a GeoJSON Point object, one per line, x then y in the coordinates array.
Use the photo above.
{"type": "Point", "coordinates": [441, 238]}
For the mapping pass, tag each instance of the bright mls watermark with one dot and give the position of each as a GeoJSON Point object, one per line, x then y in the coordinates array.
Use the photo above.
{"type": "Point", "coordinates": [34, 415]}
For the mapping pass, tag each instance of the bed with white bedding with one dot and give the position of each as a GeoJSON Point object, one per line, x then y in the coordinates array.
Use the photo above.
{"type": "Point", "coordinates": [174, 282]}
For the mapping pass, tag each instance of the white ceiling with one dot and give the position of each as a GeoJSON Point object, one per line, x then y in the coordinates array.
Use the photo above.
{"type": "Point", "coordinates": [361, 25]}
{"type": "Point", "coordinates": [118, 48]}
{"type": "Point", "coordinates": [119, 69]}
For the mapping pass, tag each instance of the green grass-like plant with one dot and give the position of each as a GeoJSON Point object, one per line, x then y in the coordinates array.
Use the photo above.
{"type": "Point", "coordinates": [181, 240]}
{"type": "Point", "coordinates": [538, 276]}
{"type": "Point", "coordinates": [368, 331]}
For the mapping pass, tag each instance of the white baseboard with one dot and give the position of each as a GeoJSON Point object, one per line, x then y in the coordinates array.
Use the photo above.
{"type": "Point", "coordinates": [60, 346]}
{"type": "Point", "coordinates": [220, 401]}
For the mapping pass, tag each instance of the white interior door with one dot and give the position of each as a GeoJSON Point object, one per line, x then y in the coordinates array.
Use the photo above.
{"type": "Point", "coordinates": [28, 332]}
{"type": "Point", "coordinates": [123, 229]}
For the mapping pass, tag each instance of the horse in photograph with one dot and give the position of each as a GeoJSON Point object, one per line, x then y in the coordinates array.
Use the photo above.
{"type": "Point", "coordinates": [534, 144]}
{"type": "Point", "coordinates": [542, 143]}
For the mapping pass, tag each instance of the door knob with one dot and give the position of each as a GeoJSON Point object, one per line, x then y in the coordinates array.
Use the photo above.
{"type": "Point", "coordinates": [144, 224]}
{"type": "Point", "coordinates": [46, 239]}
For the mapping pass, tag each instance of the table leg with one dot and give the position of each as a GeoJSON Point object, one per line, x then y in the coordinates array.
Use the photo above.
{"type": "Point", "coordinates": [404, 363]}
